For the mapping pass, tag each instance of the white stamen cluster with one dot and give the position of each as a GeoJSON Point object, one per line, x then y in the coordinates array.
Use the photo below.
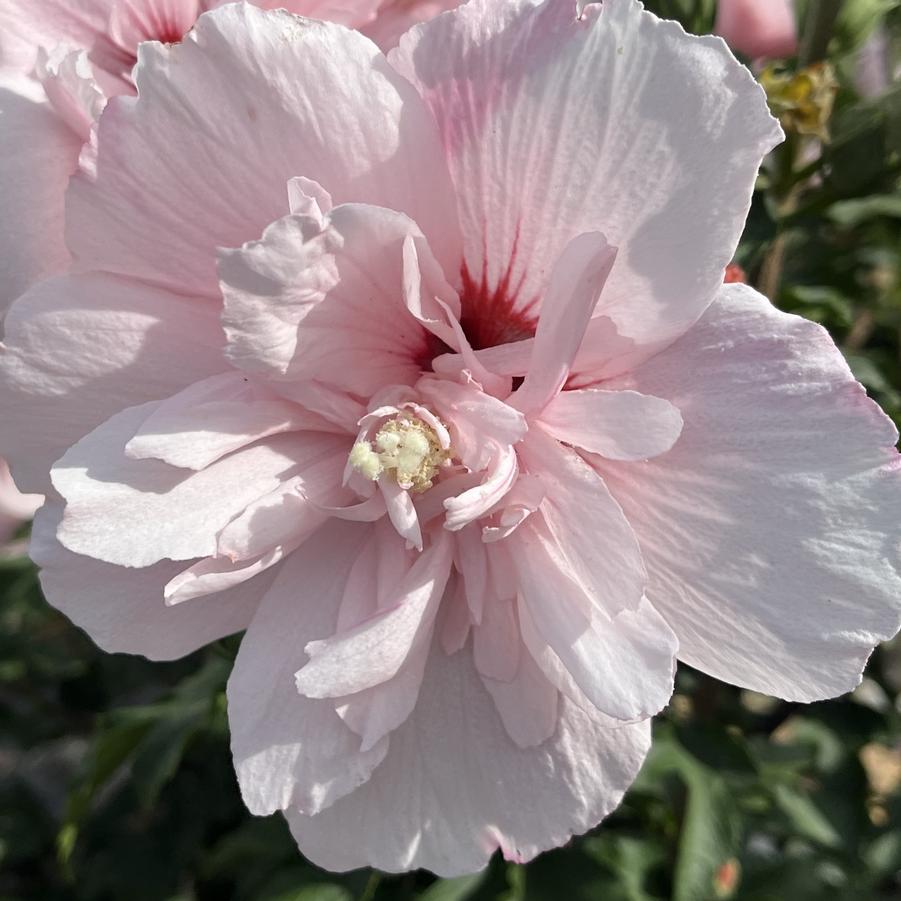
{"type": "Point", "coordinates": [406, 447]}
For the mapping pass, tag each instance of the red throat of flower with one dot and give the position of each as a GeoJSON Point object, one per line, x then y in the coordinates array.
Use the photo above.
{"type": "Point", "coordinates": [117, 51]}
{"type": "Point", "coordinates": [493, 315]}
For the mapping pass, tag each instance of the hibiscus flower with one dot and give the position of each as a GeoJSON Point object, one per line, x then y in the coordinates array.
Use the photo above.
{"type": "Point", "coordinates": [761, 29]}
{"type": "Point", "coordinates": [421, 370]}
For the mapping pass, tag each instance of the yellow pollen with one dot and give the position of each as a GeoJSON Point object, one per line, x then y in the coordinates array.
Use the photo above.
{"type": "Point", "coordinates": [406, 447]}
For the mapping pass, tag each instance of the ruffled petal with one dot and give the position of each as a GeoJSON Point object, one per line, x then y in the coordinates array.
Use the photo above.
{"type": "Point", "coordinates": [527, 703]}
{"type": "Point", "coordinates": [591, 540]}
{"type": "Point", "coordinates": [572, 295]}
{"type": "Point", "coordinates": [214, 417]}
{"type": "Point", "coordinates": [619, 425]}
{"type": "Point", "coordinates": [496, 642]}
{"type": "Point", "coordinates": [471, 561]}
{"type": "Point", "coordinates": [477, 501]}
{"type": "Point", "coordinates": [477, 421]}
{"type": "Point", "coordinates": [291, 751]}
{"type": "Point", "coordinates": [137, 512]}
{"type": "Point", "coordinates": [68, 81]}
{"type": "Point", "coordinates": [520, 502]}
{"type": "Point", "coordinates": [624, 664]}
{"type": "Point", "coordinates": [216, 574]}
{"type": "Point", "coordinates": [373, 652]}
{"type": "Point", "coordinates": [401, 511]}
{"type": "Point", "coordinates": [397, 16]}
{"type": "Point", "coordinates": [378, 711]}
{"type": "Point", "coordinates": [325, 300]}
{"type": "Point", "coordinates": [287, 514]}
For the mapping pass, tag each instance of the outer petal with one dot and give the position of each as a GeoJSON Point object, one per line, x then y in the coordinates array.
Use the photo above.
{"type": "Point", "coordinates": [615, 122]}
{"type": "Point", "coordinates": [38, 153]}
{"type": "Point", "coordinates": [25, 26]}
{"type": "Point", "coordinates": [397, 16]}
{"type": "Point", "coordinates": [123, 610]}
{"type": "Point", "coordinates": [290, 750]}
{"type": "Point", "coordinates": [454, 787]}
{"type": "Point", "coordinates": [353, 13]}
{"type": "Point", "coordinates": [137, 512]}
{"type": "Point", "coordinates": [770, 530]}
{"type": "Point", "coordinates": [248, 100]}
{"type": "Point", "coordinates": [82, 348]}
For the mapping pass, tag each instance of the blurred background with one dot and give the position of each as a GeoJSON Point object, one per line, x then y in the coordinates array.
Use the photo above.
{"type": "Point", "coordinates": [115, 775]}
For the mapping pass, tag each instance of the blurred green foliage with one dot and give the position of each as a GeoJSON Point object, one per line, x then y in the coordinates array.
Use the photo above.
{"type": "Point", "coordinates": [115, 774]}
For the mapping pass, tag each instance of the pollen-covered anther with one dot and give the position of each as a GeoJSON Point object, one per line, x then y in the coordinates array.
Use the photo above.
{"type": "Point", "coordinates": [406, 447]}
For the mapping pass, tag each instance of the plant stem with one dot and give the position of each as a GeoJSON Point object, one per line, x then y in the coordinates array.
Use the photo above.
{"type": "Point", "coordinates": [372, 886]}
{"type": "Point", "coordinates": [785, 193]}
{"type": "Point", "coordinates": [818, 25]}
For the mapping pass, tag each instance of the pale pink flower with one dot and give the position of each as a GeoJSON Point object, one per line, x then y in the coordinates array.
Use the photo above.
{"type": "Point", "coordinates": [464, 428]}
{"type": "Point", "coordinates": [60, 60]}
{"type": "Point", "coordinates": [15, 507]}
{"type": "Point", "coordinates": [761, 29]}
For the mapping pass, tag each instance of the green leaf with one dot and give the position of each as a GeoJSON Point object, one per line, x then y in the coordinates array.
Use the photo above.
{"type": "Point", "coordinates": [850, 213]}
{"type": "Point", "coordinates": [820, 303]}
{"type": "Point", "coordinates": [712, 828]}
{"type": "Point", "coordinates": [632, 860]}
{"type": "Point", "coordinates": [121, 735]}
{"type": "Point", "coordinates": [858, 19]}
{"type": "Point", "coordinates": [857, 153]}
{"type": "Point", "coordinates": [710, 841]}
{"type": "Point", "coordinates": [323, 892]}
{"type": "Point", "coordinates": [162, 749]}
{"type": "Point", "coordinates": [883, 856]}
{"type": "Point", "coordinates": [806, 818]}
{"type": "Point", "coordinates": [868, 373]}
